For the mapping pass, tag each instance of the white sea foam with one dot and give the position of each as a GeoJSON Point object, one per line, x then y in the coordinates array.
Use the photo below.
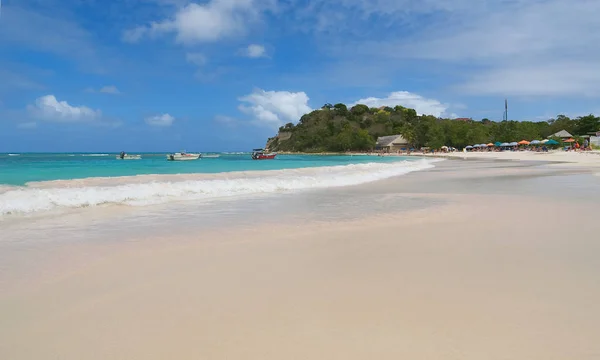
{"type": "Point", "coordinates": [95, 154]}
{"type": "Point", "coordinates": [34, 199]}
{"type": "Point", "coordinates": [14, 154]}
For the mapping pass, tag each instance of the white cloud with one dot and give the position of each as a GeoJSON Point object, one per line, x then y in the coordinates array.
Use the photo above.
{"type": "Point", "coordinates": [50, 109]}
{"type": "Point", "coordinates": [160, 120]}
{"type": "Point", "coordinates": [255, 51]}
{"type": "Point", "coordinates": [110, 89]}
{"type": "Point", "coordinates": [197, 59]}
{"type": "Point", "coordinates": [275, 108]}
{"type": "Point", "coordinates": [422, 106]}
{"type": "Point", "coordinates": [208, 22]}
{"type": "Point", "coordinates": [491, 47]}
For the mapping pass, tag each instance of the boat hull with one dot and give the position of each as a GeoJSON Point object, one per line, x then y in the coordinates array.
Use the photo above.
{"type": "Point", "coordinates": [182, 157]}
{"type": "Point", "coordinates": [129, 157]}
{"type": "Point", "coordinates": [264, 157]}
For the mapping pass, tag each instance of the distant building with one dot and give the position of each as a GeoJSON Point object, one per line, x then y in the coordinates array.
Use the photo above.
{"type": "Point", "coordinates": [391, 143]}
{"type": "Point", "coordinates": [464, 119]}
{"type": "Point", "coordinates": [563, 134]}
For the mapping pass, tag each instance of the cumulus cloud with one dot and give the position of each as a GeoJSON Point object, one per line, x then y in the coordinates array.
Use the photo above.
{"type": "Point", "coordinates": [422, 105]}
{"type": "Point", "coordinates": [162, 120]}
{"type": "Point", "coordinates": [274, 108]}
{"type": "Point", "coordinates": [208, 22]}
{"type": "Point", "coordinates": [50, 109]}
{"type": "Point", "coordinates": [254, 51]}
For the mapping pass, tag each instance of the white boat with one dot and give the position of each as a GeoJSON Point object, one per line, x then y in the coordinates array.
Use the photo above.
{"type": "Point", "coordinates": [210, 156]}
{"type": "Point", "coordinates": [124, 156]}
{"type": "Point", "coordinates": [182, 156]}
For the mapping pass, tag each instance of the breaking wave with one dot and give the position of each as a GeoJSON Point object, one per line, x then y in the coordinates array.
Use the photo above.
{"type": "Point", "coordinates": [75, 194]}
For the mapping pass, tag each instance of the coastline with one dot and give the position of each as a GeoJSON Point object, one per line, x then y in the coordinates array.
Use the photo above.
{"type": "Point", "coordinates": [389, 279]}
{"type": "Point", "coordinates": [591, 159]}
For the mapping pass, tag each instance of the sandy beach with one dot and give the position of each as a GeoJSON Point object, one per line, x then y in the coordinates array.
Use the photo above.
{"type": "Point", "coordinates": [583, 158]}
{"type": "Point", "coordinates": [476, 259]}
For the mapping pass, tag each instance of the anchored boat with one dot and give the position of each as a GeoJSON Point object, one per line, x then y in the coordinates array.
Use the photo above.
{"type": "Point", "coordinates": [124, 156]}
{"type": "Point", "coordinates": [182, 156]}
{"type": "Point", "coordinates": [260, 154]}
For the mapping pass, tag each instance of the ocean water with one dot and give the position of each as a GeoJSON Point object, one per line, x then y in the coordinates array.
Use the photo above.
{"type": "Point", "coordinates": [19, 169]}
{"type": "Point", "coordinates": [39, 183]}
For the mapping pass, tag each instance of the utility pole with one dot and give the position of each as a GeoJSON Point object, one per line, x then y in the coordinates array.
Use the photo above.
{"type": "Point", "coordinates": [505, 110]}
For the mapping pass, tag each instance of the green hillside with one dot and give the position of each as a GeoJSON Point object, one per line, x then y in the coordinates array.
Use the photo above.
{"type": "Point", "coordinates": [336, 128]}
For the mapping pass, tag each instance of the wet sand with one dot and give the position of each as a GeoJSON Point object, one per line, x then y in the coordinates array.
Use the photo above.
{"type": "Point", "coordinates": [501, 263]}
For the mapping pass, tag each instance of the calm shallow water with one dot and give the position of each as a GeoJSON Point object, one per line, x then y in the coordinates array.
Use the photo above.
{"type": "Point", "coordinates": [19, 169]}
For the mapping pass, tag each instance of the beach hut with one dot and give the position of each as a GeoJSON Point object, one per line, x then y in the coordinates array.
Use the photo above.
{"type": "Point", "coordinates": [391, 143]}
{"type": "Point", "coordinates": [563, 134]}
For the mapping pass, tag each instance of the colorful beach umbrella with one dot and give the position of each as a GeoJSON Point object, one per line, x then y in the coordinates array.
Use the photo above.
{"type": "Point", "coordinates": [535, 142]}
{"type": "Point", "coordinates": [498, 144]}
{"type": "Point", "coordinates": [551, 142]}
{"type": "Point", "coordinates": [523, 142]}
{"type": "Point", "coordinates": [490, 144]}
{"type": "Point", "coordinates": [569, 140]}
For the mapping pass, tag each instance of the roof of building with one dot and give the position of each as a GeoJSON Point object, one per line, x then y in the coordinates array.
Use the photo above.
{"type": "Point", "coordinates": [391, 140]}
{"type": "Point", "coordinates": [562, 134]}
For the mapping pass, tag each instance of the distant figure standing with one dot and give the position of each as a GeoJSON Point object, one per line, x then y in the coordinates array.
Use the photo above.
{"type": "Point", "coordinates": [122, 155]}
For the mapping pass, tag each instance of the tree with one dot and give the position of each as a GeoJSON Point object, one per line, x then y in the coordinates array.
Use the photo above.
{"type": "Point", "coordinates": [327, 106]}
{"type": "Point", "coordinates": [359, 109]}
{"type": "Point", "coordinates": [341, 109]}
{"type": "Point", "coordinates": [587, 124]}
{"type": "Point", "coordinates": [358, 129]}
{"type": "Point", "coordinates": [561, 122]}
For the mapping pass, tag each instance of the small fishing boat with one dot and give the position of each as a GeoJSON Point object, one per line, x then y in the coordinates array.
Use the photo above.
{"type": "Point", "coordinates": [124, 156]}
{"type": "Point", "coordinates": [183, 156]}
{"type": "Point", "coordinates": [260, 154]}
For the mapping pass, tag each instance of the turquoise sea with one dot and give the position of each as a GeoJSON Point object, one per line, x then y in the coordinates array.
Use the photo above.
{"type": "Point", "coordinates": [27, 180]}
{"type": "Point", "coordinates": [19, 169]}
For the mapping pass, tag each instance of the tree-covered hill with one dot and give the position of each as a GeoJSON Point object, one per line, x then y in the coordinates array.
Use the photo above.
{"type": "Point", "coordinates": [337, 128]}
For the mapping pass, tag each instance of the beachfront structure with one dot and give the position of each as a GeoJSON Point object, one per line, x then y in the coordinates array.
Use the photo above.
{"type": "Point", "coordinates": [563, 134]}
{"type": "Point", "coordinates": [391, 143]}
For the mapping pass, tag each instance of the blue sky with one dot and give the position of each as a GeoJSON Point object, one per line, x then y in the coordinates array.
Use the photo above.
{"type": "Point", "coordinates": [165, 75]}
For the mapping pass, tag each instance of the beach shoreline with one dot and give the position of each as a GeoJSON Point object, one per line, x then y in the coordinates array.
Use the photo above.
{"type": "Point", "coordinates": [477, 273]}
